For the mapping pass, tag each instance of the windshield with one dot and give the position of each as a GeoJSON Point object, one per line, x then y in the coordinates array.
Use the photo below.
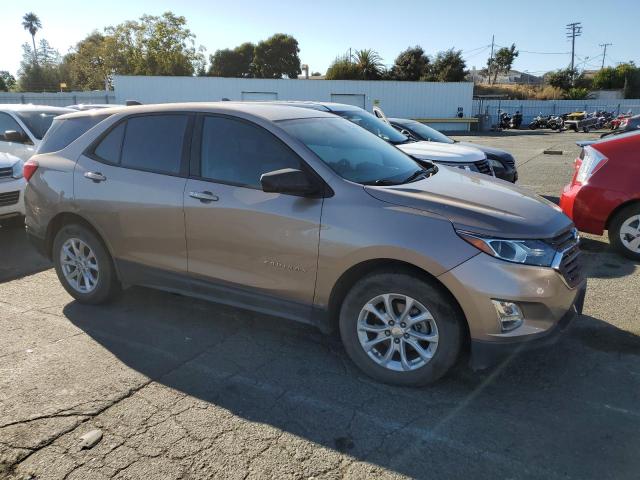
{"type": "Point", "coordinates": [372, 123]}
{"type": "Point", "coordinates": [425, 132]}
{"type": "Point", "coordinates": [351, 152]}
{"type": "Point", "coordinates": [38, 122]}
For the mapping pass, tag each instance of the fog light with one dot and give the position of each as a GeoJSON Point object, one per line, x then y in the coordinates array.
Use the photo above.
{"type": "Point", "coordinates": [509, 314]}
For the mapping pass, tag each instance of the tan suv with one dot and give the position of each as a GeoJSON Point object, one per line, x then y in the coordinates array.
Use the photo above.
{"type": "Point", "coordinates": [302, 214]}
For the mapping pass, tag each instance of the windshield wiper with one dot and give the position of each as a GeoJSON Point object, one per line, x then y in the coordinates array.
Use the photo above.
{"type": "Point", "coordinates": [420, 173]}
{"type": "Point", "coordinates": [381, 182]}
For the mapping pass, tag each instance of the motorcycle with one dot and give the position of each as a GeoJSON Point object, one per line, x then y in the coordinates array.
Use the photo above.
{"type": "Point", "coordinates": [556, 122]}
{"type": "Point", "coordinates": [507, 121]}
{"type": "Point", "coordinates": [540, 121]}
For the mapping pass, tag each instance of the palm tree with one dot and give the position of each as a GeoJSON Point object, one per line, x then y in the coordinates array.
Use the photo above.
{"type": "Point", "coordinates": [31, 22]}
{"type": "Point", "coordinates": [369, 64]}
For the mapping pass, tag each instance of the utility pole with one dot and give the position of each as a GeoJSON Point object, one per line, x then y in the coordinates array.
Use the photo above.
{"type": "Point", "coordinates": [573, 30]}
{"type": "Point", "coordinates": [604, 54]}
{"type": "Point", "coordinates": [491, 59]}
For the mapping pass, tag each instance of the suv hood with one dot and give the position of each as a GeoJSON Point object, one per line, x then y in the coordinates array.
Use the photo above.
{"type": "Point", "coordinates": [8, 160]}
{"type": "Point", "coordinates": [478, 204]}
{"type": "Point", "coordinates": [442, 152]}
{"type": "Point", "coordinates": [487, 150]}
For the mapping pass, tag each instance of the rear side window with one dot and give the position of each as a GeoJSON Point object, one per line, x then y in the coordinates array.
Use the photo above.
{"type": "Point", "coordinates": [152, 143]}
{"type": "Point", "coordinates": [63, 132]}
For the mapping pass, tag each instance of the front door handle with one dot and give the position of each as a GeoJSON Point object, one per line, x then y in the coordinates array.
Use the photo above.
{"type": "Point", "coordinates": [204, 197]}
{"type": "Point", "coordinates": [95, 176]}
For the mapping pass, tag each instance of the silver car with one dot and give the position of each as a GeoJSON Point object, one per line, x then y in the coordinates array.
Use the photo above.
{"type": "Point", "coordinates": [302, 214]}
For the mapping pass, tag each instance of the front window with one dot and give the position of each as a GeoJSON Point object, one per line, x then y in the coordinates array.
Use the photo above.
{"type": "Point", "coordinates": [374, 125]}
{"type": "Point", "coordinates": [425, 132]}
{"type": "Point", "coordinates": [38, 122]}
{"type": "Point", "coordinates": [351, 152]}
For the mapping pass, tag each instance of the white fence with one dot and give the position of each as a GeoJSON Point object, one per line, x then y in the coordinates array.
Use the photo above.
{"type": "Point", "coordinates": [59, 99]}
{"type": "Point", "coordinates": [532, 108]}
{"type": "Point", "coordinates": [398, 99]}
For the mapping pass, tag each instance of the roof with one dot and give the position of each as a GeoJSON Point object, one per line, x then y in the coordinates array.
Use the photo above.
{"type": "Point", "coordinates": [265, 110]}
{"type": "Point", "coordinates": [29, 107]}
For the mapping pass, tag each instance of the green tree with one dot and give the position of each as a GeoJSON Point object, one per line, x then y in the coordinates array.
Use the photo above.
{"type": "Point", "coordinates": [85, 66]}
{"type": "Point", "coordinates": [43, 75]}
{"type": "Point", "coordinates": [412, 64]}
{"type": "Point", "coordinates": [610, 78]}
{"type": "Point", "coordinates": [153, 46]}
{"type": "Point", "coordinates": [276, 57]}
{"type": "Point", "coordinates": [502, 61]}
{"type": "Point", "coordinates": [562, 79]}
{"type": "Point", "coordinates": [448, 66]}
{"type": "Point", "coordinates": [343, 68]}
{"type": "Point", "coordinates": [7, 81]}
{"type": "Point", "coordinates": [369, 64]}
{"type": "Point", "coordinates": [32, 24]}
{"type": "Point", "coordinates": [576, 93]}
{"type": "Point", "coordinates": [233, 63]}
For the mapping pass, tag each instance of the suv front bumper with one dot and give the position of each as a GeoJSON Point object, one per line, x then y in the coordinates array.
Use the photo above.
{"type": "Point", "coordinates": [548, 304]}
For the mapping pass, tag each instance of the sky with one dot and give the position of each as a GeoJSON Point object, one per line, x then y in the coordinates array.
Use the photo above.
{"type": "Point", "coordinates": [328, 28]}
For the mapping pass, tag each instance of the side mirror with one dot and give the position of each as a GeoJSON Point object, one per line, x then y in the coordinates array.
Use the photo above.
{"type": "Point", "coordinates": [13, 136]}
{"type": "Point", "coordinates": [288, 180]}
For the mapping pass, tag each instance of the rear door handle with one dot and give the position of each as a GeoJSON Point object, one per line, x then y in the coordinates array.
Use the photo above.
{"type": "Point", "coordinates": [95, 176]}
{"type": "Point", "coordinates": [204, 197]}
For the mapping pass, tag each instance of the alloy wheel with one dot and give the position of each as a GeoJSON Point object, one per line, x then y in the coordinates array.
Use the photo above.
{"type": "Point", "coordinates": [630, 233]}
{"type": "Point", "coordinates": [397, 332]}
{"type": "Point", "coordinates": [79, 265]}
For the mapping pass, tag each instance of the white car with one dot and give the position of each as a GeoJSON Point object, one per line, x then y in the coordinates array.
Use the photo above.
{"type": "Point", "coordinates": [23, 126]}
{"type": "Point", "coordinates": [11, 186]}
{"type": "Point", "coordinates": [453, 155]}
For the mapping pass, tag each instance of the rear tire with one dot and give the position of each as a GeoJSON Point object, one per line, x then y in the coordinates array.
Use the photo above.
{"type": "Point", "coordinates": [624, 232]}
{"type": "Point", "coordinates": [400, 348]}
{"type": "Point", "coordinates": [84, 266]}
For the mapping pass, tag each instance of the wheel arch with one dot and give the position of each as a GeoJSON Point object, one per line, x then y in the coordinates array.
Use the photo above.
{"type": "Point", "coordinates": [67, 218]}
{"type": "Point", "coordinates": [618, 209]}
{"type": "Point", "coordinates": [360, 270]}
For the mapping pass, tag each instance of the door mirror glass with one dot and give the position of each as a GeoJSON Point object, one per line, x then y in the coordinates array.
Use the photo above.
{"type": "Point", "coordinates": [13, 136]}
{"type": "Point", "coordinates": [289, 181]}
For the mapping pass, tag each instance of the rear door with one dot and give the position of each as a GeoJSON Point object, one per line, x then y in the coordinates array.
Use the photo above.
{"type": "Point", "coordinates": [245, 245]}
{"type": "Point", "coordinates": [130, 185]}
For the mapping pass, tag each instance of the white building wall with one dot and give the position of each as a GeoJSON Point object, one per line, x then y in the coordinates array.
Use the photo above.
{"type": "Point", "coordinates": [397, 99]}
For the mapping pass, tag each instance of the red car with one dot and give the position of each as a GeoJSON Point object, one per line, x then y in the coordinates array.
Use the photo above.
{"type": "Point", "coordinates": [604, 193]}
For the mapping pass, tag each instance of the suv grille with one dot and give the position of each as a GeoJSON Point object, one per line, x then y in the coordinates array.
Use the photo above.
{"type": "Point", "coordinates": [483, 166]}
{"type": "Point", "coordinates": [570, 266]}
{"type": "Point", "coordinates": [9, 198]}
{"type": "Point", "coordinates": [509, 161]}
{"type": "Point", "coordinates": [6, 172]}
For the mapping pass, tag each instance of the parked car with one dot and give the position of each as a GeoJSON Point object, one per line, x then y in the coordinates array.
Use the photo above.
{"type": "Point", "coordinates": [604, 193]}
{"type": "Point", "coordinates": [467, 158]}
{"type": "Point", "coordinates": [11, 186]}
{"type": "Point", "coordinates": [302, 214]}
{"type": "Point", "coordinates": [502, 162]}
{"type": "Point", "coordinates": [23, 126]}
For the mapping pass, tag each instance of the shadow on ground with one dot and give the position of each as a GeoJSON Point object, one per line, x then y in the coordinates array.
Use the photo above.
{"type": "Point", "coordinates": [17, 257]}
{"type": "Point", "coordinates": [540, 414]}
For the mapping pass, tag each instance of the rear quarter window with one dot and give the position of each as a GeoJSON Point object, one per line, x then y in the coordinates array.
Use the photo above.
{"type": "Point", "coordinates": [65, 131]}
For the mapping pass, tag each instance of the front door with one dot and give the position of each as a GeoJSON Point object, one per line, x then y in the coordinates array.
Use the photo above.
{"type": "Point", "coordinates": [245, 245]}
{"type": "Point", "coordinates": [131, 188]}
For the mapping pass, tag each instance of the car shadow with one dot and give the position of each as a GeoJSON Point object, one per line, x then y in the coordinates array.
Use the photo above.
{"type": "Point", "coordinates": [291, 377]}
{"type": "Point", "coordinates": [18, 258]}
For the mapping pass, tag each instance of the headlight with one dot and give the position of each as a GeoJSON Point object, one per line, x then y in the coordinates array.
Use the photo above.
{"type": "Point", "coordinates": [528, 252]}
{"type": "Point", "coordinates": [16, 171]}
{"type": "Point", "coordinates": [591, 161]}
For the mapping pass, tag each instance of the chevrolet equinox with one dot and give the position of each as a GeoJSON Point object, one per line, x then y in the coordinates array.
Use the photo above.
{"type": "Point", "coordinates": [302, 214]}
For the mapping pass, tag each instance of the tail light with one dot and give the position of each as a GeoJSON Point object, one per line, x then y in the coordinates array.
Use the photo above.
{"type": "Point", "coordinates": [29, 169]}
{"type": "Point", "coordinates": [592, 161]}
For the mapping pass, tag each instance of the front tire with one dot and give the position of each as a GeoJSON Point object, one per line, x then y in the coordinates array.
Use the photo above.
{"type": "Point", "coordinates": [401, 329]}
{"type": "Point", "coordinates": [84, 266]}
{"type": "Point", "coordinates": [624, 232]}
